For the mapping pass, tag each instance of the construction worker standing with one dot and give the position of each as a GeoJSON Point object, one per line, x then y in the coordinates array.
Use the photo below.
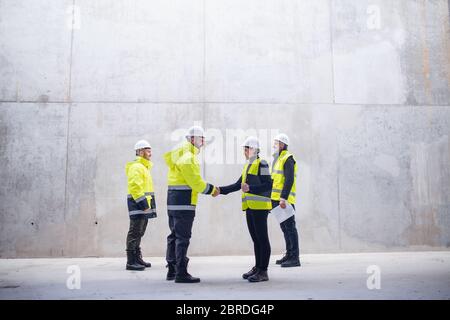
{"type": "Point", "coordinates": [141, 203]}
{"type": "Point", "coordinates": [256, 185]}
{"type": "Point", "coordinates": [284, 176]}
{"type": "Point", "coordinates": [184, 185]}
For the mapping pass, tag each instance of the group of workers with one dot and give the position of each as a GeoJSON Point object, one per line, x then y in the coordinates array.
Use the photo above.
{"type": "Point", "coordinates": [262, 190]}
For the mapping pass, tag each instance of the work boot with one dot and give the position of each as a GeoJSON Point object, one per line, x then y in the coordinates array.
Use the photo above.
{"type": "Point", "coordinates": [171, 272]}
{"type": "Point", "coordinates": [186, 278]}
{"type": "Point", "coordinates": [132, 264]}
{"type": "Point", "coordinates": [259, 276]}
{"type": "Point", "coordinates": [140, 260]}
{"type": "Point", "coordinates": [182, 276]}
{"type": "Point", "coordinates": [291, 262]}
{"type": "Point", "coordinates": [250, 273]}
{"type": "Point", "coordinates": [280, 261]}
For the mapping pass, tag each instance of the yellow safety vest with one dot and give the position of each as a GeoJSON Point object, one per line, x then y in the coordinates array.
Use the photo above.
{"type": "Point", "coordinates": [250, 200]}
{"type": "Point", "coordinates": [279, 178]}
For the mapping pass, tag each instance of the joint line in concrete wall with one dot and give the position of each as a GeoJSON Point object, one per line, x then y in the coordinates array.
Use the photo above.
{"type": "Point", "coordinates": [234, 103]}
{"type": "Point", "coordinates": [69, 107]}
{"type": "Point", "coordinates": [338, 169]}
{"type": "Point", "coordinates": [331, 49]}
{"type": "Point", "coordinates": [69, 93]}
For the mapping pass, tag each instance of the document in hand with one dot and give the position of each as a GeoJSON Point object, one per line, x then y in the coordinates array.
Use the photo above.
{"type": "Point", "coordinates": [283, 214]}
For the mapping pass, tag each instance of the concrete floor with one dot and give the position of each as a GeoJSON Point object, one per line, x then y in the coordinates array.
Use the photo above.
{"type": "Point", "coordinates": [405, 275]}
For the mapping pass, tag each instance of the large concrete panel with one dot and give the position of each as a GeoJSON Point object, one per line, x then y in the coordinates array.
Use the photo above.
{"type": "Point", "coordinates": [268, 51]}
{"type": "Point", "coordinates": [33, 140]}
{"type": "Point", "coordinates": [35, 50]}
{"type": "Point", "coordinates": [391, 52]}
{"type": "Point", "coordinates": [391, 175]}
{"type": "Point", "coordinates": [139, 51]}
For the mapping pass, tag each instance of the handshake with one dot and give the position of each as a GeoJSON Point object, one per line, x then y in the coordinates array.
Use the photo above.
{"type": "Point", "coordinates": [244, 187]}
{"type": "Point", "coordinates": [216, 192]}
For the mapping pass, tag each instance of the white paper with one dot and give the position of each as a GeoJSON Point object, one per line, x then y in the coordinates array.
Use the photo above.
{"type": "Point", "coordinates": [283, 214]}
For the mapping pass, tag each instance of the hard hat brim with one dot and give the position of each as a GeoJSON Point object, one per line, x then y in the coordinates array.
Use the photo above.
{"type": "Point", "coordinates": [188, 136]}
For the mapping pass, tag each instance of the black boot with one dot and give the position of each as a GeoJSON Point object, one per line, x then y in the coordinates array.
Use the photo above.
{"type": "Point", "coordinates": [171, 272]}
{"type": "Point", "coordinates": [259, 276]}
{"type": "Point", "coordinates": [132, 263]}
{"type": "Point", "coordinates": [140, 260]}
{"type": "Point", "coordinates": [291, 262]}
{"type": "Point", "coordinates": [186, 278]}
{"type": "Point", "coordinates": [182, 276]}
{"type": "Point", "coordinates": [250, 273]}
{"type": "Point", "coordinates": [280, 261]}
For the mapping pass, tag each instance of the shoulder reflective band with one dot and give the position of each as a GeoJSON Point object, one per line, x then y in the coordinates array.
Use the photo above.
{"type": "Point", "coordinates": [180, 207]}
{"type": "Point", "coordinates": [183, 187]}
{"type": "Point", "coordinates": [265, 171]}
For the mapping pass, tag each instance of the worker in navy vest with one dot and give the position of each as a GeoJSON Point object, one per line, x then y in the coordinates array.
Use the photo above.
{"type": "Point", "coordinates": [256, 186]}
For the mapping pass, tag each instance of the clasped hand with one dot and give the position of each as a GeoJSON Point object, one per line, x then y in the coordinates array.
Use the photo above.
{"type": "Point", "coordinates": [216, 192]}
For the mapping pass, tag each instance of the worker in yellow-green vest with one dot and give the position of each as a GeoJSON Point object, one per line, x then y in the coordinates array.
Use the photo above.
{"type": "Point", "coordinates": [284, 176]}
{"type": "Point", "coordinates": [185, 183]}
{"type": "Point", "coordinates": [256, 185]}
{"type": "Point", "coordinates": [141, 203]}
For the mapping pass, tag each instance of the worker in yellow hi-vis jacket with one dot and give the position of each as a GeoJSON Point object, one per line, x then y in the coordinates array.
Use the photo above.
{"type": "Point", "coordinates": [185, 183]}
{"type": "Point", "coordinates": [141, 203]}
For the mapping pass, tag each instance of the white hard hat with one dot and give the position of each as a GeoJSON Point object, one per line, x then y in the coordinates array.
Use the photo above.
{"type": "Point", "coordinates": [195, 131]}
{"type": "Point", "coordinates": [282, 138]}
{"type": "Point", "coordinates": [142, 144]}
{"type": "Point", "coordinates": [251, 142]}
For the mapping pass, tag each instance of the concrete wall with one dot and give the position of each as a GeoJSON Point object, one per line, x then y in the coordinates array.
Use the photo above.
{"type": "Point", "coordinates": [362, 88]}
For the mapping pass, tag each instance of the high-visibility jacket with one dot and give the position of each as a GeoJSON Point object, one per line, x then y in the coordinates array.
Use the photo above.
{"type": "Point", "coordinates": [279, 178]}
{"type": "Point", "coordinates": [141, 195]}
{"type": "Point", "coordinates": [251, 175]}
{"type": "Point", "coordinates": [184, 179]}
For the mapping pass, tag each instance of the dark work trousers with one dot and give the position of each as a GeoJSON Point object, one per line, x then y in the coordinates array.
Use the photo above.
{"type": "Point", "coordinates": [257, 226]}
{"type": "Point", "coordinates": [138, 225]}
{"type": "Point", "coordinates": [290, 234]}
{"type": "Point", "coordinates": [180, 224]}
